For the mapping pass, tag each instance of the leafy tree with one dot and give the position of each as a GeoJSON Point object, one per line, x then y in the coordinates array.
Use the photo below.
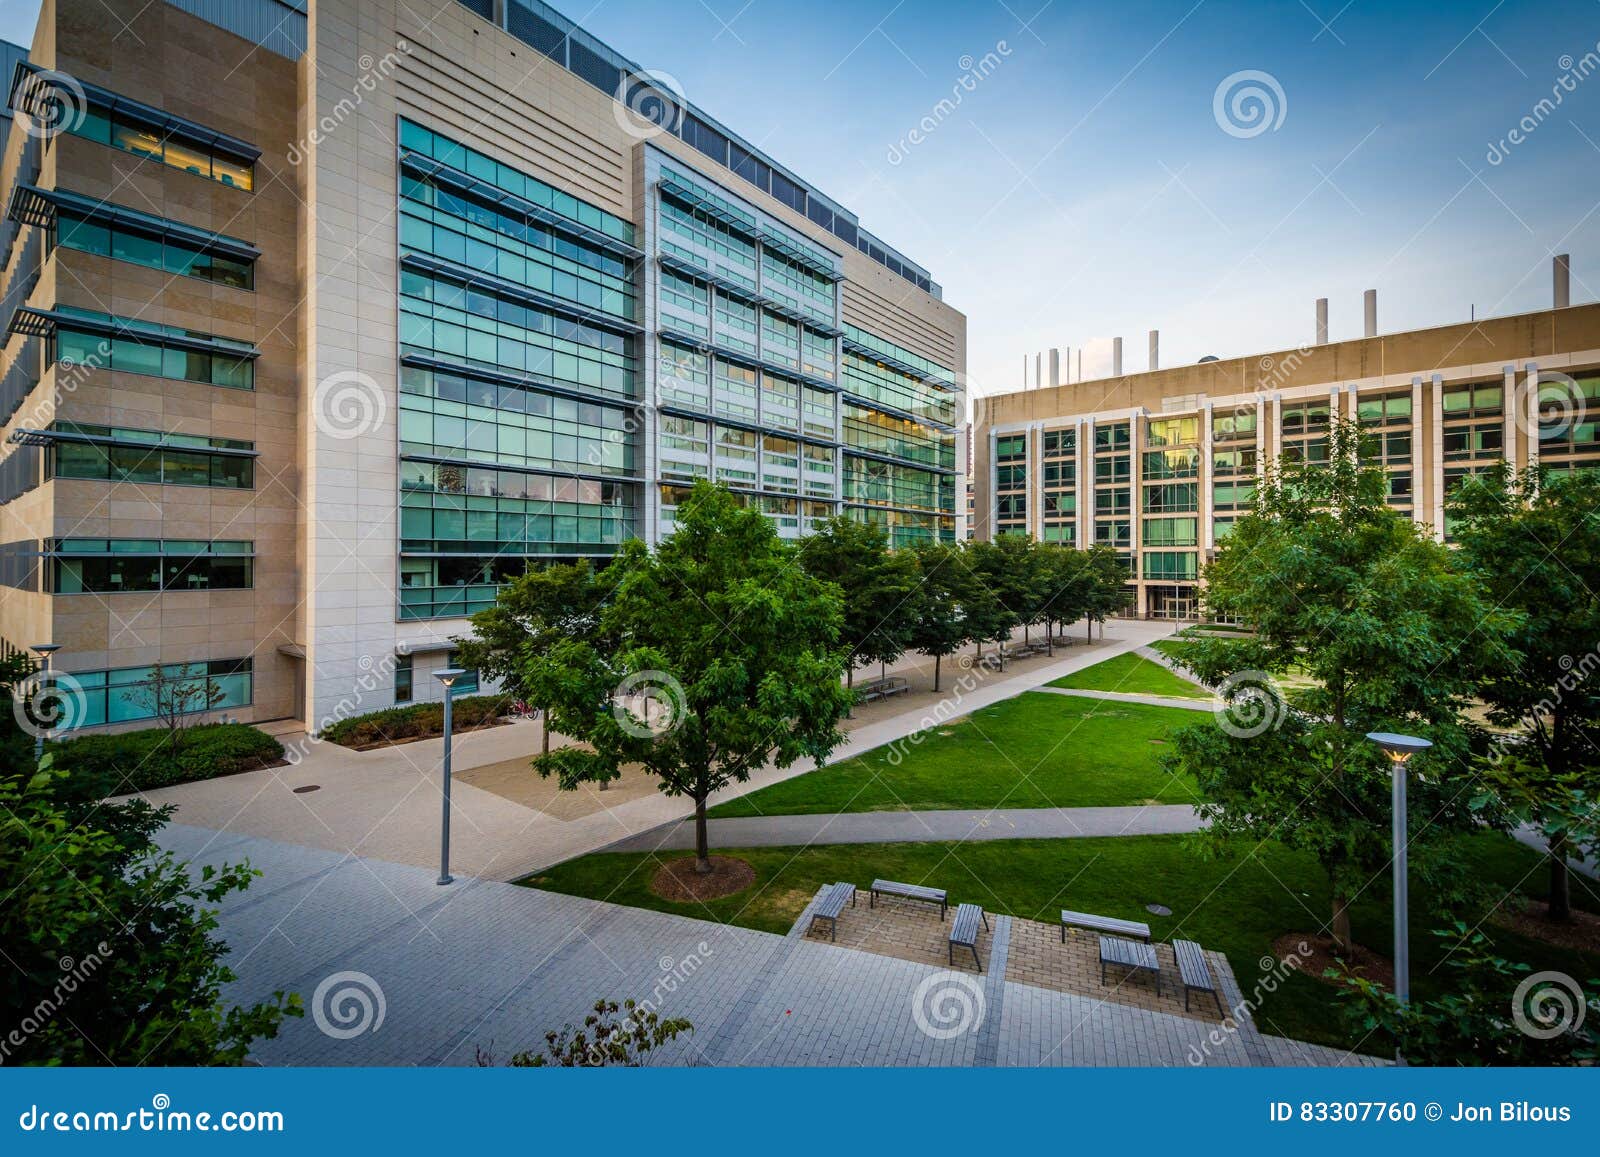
{"type": "Point", "coordinates": [879, 586]}
{"type": "Point", "coordinates": [1480, 1020]}
{"type": "Point", "coordinates": [1002, 566]}
{"type": "Point", "coordinates": [530, 615]}
{"type": "Point", "coordinates": [174, 698]}
{"type": "Point", "coordinates": [1107, 593]}
{"type": "Point", "coordinates": [1534, 544]}
{"type": "Point", "coordinates": [1392, 637]}
{"type": "Point", "coordinates": [110, 946]}
{"type": "Point", "coordinates": [734, 644]}
{"type": "Point", "coordinates": [602, 1041]}
{"type": "Point", "coordinates": [943, 622]}
{"type": "Point", "coordinates": [1068, 581]}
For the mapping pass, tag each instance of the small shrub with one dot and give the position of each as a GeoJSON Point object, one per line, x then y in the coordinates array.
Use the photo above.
{"type": "Point", "coordinates": [415, 721]}
{"type": "Point", "coordinates": [602, 1041]}
{"type": "Point", "coordinates": [144, 760]}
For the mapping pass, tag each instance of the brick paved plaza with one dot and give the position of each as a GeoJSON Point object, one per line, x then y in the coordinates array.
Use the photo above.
{"type": "Point", "coordinates": [485, 964]}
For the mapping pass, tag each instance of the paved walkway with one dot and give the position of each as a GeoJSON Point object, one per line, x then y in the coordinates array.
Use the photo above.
{"type": "Point", "coordinates": [385, 803]}
{"type": "Point", "coordinates": [1133, 697]}
{"type": "Point", "coordinates": [901, 826]}
{"type": "Point", "coordinates": [395, 970]}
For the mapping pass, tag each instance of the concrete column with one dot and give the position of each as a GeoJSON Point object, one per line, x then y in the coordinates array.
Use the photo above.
{"type": "Point", "coordinates": [1055, 368]}
{"type": "Point", "coordinates": [1038, 370]}
{"type": "Point", "coordinates": [1322, 321]}
{"type": "Point", "coordinates": [1530, 375]}
{"type": "Point", "coordinates": [1350, 411]}
{"type": "Point", "coordinates": [1423, 466]}
{"type": "Point", "coordinates": [1116, 357]}
{"type": "Point", "coordinates": [1261, 435]}
{"type": "Point", "coordinates": [1513, 452]}
{"type": "Point", "coordinates": [1155, 349]}
{"type": "Point", "coordinates": [992, 508]}
{"type": "Point", "coordinates": [1438, 457]}
{"type": "Point", "coordinates": [1207, 538]}
{"type": "Point", "coordinates": [1369, 310]}
{"type": "Point", "coordinates": [1275, 427]}
{"type": "Point", "coordinates": [1086, 478]}
{"type": "Point", "coordinates": [1561, 275]}
{"type": "Point", "coordinates": [1137, 429]}
{"type": "Point", "coordinates": [1034, 524]}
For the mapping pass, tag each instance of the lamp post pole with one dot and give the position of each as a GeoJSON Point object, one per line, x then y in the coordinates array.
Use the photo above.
{"type": "Point", "coordinates": [448, 677]}
{"type": "Point", "coordinates": [44, 651]}
{"type": "Point", "coordinates": [1400, 749]}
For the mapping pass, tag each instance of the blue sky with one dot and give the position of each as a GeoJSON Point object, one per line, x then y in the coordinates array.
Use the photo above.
{"type": "Point", "coordinates": [1085, 188]}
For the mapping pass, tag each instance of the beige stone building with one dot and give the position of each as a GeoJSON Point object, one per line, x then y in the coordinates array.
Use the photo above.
{"type": "Point", "coordinates": [323, 319]}
{"type": "Point", "coordinates": [1160, 464]}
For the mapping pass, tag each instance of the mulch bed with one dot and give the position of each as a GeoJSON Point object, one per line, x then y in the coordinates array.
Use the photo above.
{"type": "Point", "coordinates": [1531, 920]}
{"type": "Point", "coordinates": [678, 881]}
{"type": "Point", "coordinates": [1323, 955]}
{"type": "Point", "coordinates": [404, 739]}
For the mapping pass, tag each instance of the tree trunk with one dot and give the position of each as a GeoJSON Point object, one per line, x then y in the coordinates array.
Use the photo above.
{"type": "Point", "coordinates": [1560, 882]}
{"type": "Point", "coordinates": [544, 728]}
{"type": "Point", "coordinates": [1050, 638]}
{"type": "Point", "coordinates": [850, 677]}
{"type": "Point", "coordinates": [702, 857]}
{"type": "Point", "coordinates": [1341, 923]}
{"type": "Point", "coordinates": [936, 674]}
{"type": "Point", "coordinates": [1088, 630]}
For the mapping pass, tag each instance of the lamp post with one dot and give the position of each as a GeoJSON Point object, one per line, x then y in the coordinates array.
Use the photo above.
{"type": "Point", "coordinates": [1400, 749]}
{"type": "Point", "coordinates": [44, 651]}
{"type": "Point", "coordinates": [449, 677]}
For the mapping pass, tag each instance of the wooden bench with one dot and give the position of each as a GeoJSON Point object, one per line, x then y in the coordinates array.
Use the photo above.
{"type": "Point", "coordinates": [909, 892]}
{"type": "Point", "coordinates": [831, 904]}
{"type": "Point", "coordinates": [964, 931]}
{"type": "Point", "coordinates": [1196, 972]}
{"type": "Point", "coordinates": [1134, 955]}
{"type": "Point", "coordinates": [883, 689]}
{"type": "Point", "coordinates": [1106, 924]}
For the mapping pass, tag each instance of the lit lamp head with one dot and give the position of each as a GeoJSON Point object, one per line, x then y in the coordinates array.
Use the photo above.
{"type": "Point", "coordinates": [45, 650]}
{"type": "Point", "coordinates": [1399, 748]}
{"type": "Point", "coordinates": [449, 676]}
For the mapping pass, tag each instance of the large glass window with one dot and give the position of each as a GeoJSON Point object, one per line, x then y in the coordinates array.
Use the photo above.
{"type": "Point", "coordinates": [122, 694]}
{"type": "Point", "coordinates": [138, 347]}
{"type": "Point", "coordinates": [117, 565]}
{"type": "Point", "coordinates": [170, 254]}
{"type": "Point", "coordinates": [149, 456]}
{"type": "Point", "coordinates": [122, 131]}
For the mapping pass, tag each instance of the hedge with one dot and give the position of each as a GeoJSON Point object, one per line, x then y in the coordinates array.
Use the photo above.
{"type": "Point", "coordinates": [415, 721]}
{"type": "Point", "coordinates": [140, 761]}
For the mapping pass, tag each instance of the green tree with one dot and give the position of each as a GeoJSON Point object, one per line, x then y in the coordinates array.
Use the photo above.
{"type": "Point", "coordinates": [1068, 581]}
{"type": "Point", "coordinates": [1534, 544]}
{"type": "Point", "coordinates": [530, 615]}
{"type": "Point", "coordinates": [879, 587]}
{"type": "Point", "coordinates": [1493, 1012]}
{"type": "Point", "coordinates": [943, 623]}
{"type": "Point", "coordinates": [603, 1041]}
{"type": "Point", "coordinates": [732, 646]}
{"type": "Point", "coordinates": [1391, 637]}
{"type": "Point", "coordinates": [1107, 594]}
{"type": "Point", "coordinates": [112, 957]}
{"type": "Point", "coordinates": [174, 698]}
{"type": "Point", "coordinates": [1003, 566]}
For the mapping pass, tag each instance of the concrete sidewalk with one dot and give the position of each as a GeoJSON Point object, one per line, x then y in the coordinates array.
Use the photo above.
{"type": "Point", "coordinates": [911, 826]}
{"type": "Point", "coordinates": [385, 803]}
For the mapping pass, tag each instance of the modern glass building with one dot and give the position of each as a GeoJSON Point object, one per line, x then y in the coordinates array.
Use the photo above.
{"type": "Point", "coordinates": [1160, 465]}
{"type": "Point", "coordinates": [291, 385]}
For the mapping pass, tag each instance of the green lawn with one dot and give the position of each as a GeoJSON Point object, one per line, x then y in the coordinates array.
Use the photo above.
{"type": "Point", "coordinates": [1239, 906]}
{"type": "Point", "coordinates": [1034, 750]}
{"type": "Point", "coordinates": [1133, 675]}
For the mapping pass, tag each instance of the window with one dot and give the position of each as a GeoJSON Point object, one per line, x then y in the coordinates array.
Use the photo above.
{"type": "Point", "coordinates": [149, 456]}
{"type": "Point", "coordinates": [1173, 431]}
{"type": "Point", "coordinates": [80, 231]}
{"type": "Point", "coordinates": [1474, 400]}
{"type": "Point", "coordinates": [1171, 532]}
{"type": "Point", "coordinates": [119, 695]}
{"type": "Point", "coordinates": [1171, 496]}
{"type": "Point", "coordinates": [119, 565]}
{"type": "Point", "coordinates": [1175, 565]}
{"type": "Point", "coordinates": [403, 672]}
{"type": "Point", "coordinates": [130, 346]}
{"type": "Point", "coordinates": [1240, 425]}
{"type": "Point", "coordinates": [160, 138]}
